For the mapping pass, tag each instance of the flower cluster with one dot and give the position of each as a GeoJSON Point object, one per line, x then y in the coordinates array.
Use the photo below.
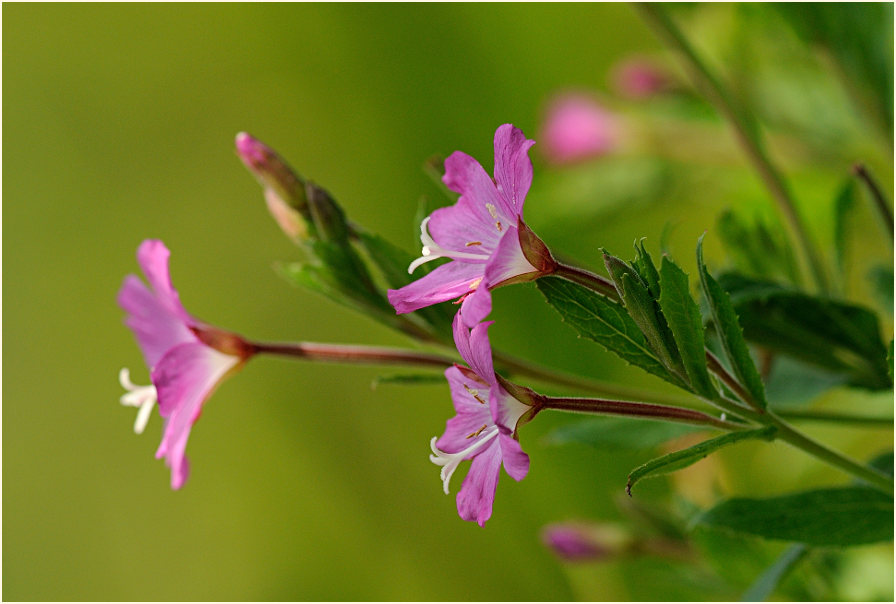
{"type": "Point", "coordinates": [488, 245]}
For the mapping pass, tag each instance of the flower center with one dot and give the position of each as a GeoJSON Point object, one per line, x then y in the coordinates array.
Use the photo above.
{"type": "Point", "coordinates": [450, 461]}
{"type": "Point", "coordinates": [144, 397]}
{"type": "Point", "coordinates": [432, 250]}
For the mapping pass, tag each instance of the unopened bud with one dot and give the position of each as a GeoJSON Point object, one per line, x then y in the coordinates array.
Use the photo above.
{"type": "Point", "coordinates": [328, 217]}
{"type": "Point", "coordinates": [579, 542]}
{"type": "Point", "coordinates": [639, 78]}
{"type": "Point", "coordinates": [284, 190]}
{"type": "Point", "coordinates": [576, 127]}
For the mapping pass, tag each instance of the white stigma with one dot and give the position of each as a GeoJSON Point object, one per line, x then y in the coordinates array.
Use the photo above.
{"type": "Point", "coordinates": [432, 250]}
{"type": "Point", "coordinates": [450, 461]}
{"type": "Point", "coordinates": [144, 397]}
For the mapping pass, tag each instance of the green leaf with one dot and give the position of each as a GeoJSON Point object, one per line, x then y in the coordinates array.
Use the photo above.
{"type": "Point", "coordinates": [844, 206]}
{"type": "Point", "coordinates": [767, 582]}
{"type": "Point", "coordinates": [755, 249]}
{"type": "Point", "coordinates": [691, 455]}
{"type": "Point", "coordinates": [647, 269]}
{"type": "Point", "coordinates": [683, 317]}
{"type": "Point", "coordinates": [642, 307]}
{"type": "Point", "coordinates": [792, 383]}
{"type": "Point", "coordinates": [859, 39]}
{"type": "Point", "coordinates": [409, 379]}
{"type": "Point", "coordinates": [881, 278]}
{"type": "Point", "coordinates": [607, 323]}
{"type": "Point", "coordinates": [730, 333]}
{"type": "Point", "coordinates": [839, 337]}
{"type": "Point", "coordinates": [616, 433]}
{"type": "Point", "coordinates": [883, 462]}
{"type": "Point", "coordinates": [841, 516]}
{"type": "Point", "coordinates": [344, 271]}
{"type": "Point", "coordinates": [393, 263]}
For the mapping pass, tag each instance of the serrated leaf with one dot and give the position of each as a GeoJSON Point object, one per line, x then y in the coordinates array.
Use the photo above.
{"type": "Point", "coordinates": [607, 323]}
{"type": "Point", "coordinates": [683, 317]}
{"type": "Point", "coordinates": [691, 455]}
{"type": "Point", "coordinates": [841, 516]}
{"type": "Point", "coordinates": [730, 332]}
{"type": "Point", "coordinates": [643, 308]}
{"type": "Point", "coordinates": [647, 269]}
{"type": "Point", "coordinates": [765, 585]}
{"type": "Point", "coordinates": [345, 272]}
{"type": "Point", "coordinates": [842, 338]}
{"type": "Point", "coordinates": [616, 433]}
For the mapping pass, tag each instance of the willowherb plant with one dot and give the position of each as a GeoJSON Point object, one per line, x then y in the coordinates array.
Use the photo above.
{"type": "Point", "coordinates": [643, 312]}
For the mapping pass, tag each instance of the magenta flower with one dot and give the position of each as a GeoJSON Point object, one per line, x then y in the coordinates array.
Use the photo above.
{"type": "Point", "coordinates": [483, 233]}
{"type": "Point", "coordinates": [186, 358]}
{"type": "Point", "coordinates": [576, 127]}
{"type": "Point", "coordinates": [484, 429]}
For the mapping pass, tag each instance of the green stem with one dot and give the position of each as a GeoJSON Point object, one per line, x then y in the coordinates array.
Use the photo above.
{"type": "Point", "coordinates": [799, 440]}
{"type": "Point", "coordinates": [745, 131]}
{"type": "Point", "coordinates": [837, 418]}
{"type": "Point", "coordinates": [587, 279]}
{"type": "Point", "coordinates": [345, 353]}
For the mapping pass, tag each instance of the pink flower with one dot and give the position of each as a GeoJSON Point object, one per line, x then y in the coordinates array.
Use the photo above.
{"type": "Point", "coordinates": [639, 78]}
{"type": "Point", "coordinates": [186, 358]}
{"type": "Point", "coordinates": [484, 429]}
{"type": "Point", "coordinates": [483, 233]}
{"type": "Point", "coordinates": [576, 127]}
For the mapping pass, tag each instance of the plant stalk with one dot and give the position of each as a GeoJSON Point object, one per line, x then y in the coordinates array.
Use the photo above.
{"type": "Point", "coordinates": [745, 131]}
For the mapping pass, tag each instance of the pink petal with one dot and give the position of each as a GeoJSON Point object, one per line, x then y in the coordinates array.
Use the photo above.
{"type": "Point", "coordinates": [465, 175]}
{"type": "Point", "coordinates": [467, 227]}
{"type": "Point", "coordinates": [508, 261]}
{"type": "Point", "coordinates": [513, 168]}
{"type": "Point", "coordinates": [516, 462]}
{"type": "Point", "coordinates": [476, 496]}
{"type": "Point", "coordinates": [184, 378]}
{"type": "Point", "coordinates": [476, 306]}
{"type": "Point", "coordinates": [157, 327]}
{"type": "Point", "coordinates": [474, 348]}
{"type": "Point", "coordinates": [447, 282]}
{"type": "Point", "coordinates": [472, 412]}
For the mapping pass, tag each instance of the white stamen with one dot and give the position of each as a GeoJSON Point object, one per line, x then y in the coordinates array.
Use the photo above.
{"type": "Point", "coordinates": [431, 250]}
{"type": "Point", "coordinates": [724, 416]}
{"type": "Point", "coordinates": [143, 397]}
{"type": "Point", "coordinates": [492, 210]}
{"type": "Point", "coordinates": [450, 461]}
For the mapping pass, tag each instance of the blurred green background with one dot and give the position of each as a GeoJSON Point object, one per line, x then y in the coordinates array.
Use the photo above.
{"type": "Point", "coordinates": [307, 484]}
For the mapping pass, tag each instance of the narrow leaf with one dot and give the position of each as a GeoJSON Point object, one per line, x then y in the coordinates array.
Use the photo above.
{"type": "Point", "coordinates": [767, 582]}
{"type": "Point", "coordinates": [691, 455]}
{"type": "Point", "coordinates": [730, 332]}
{"type": "Point", "coordinates": [616, 433]}
{"type": "Point", "coordinates": [683, 317]}
{"type": "Point", "coordinates": [826, 517]}
{"type": "Point", "coordinates": [409, 379]}
{"type": "Point", "coordinates": [844, 205]}
{"type": "Point", "coordinates": [647, 269]}
{"type": "Point", "coordinates": [605, 322]}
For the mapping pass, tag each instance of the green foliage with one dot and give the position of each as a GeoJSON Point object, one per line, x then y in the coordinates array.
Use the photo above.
{"type": "Point", "coordinates": [881, 278]}
{"type": "Point", "coordinates": [409, 379]}
{"type": "Point", "coordinates": [860, 41]}
{"type": "Point", "coordinates": [683, 318]}
{"type": "Point", "coordinates": [644, 310]}
{"type": "Point", "coordinates": [840, 337]}
{"type": "Point", "coordinates": [756, 249]}
{"type": "Point", "coordinates": [616, 433]}
{"type": "Point", "coordinates": [844, 207]}
{"type": "Point", "coordinates": [607, 323]}
{"type": "Point", "coordinates": [765, 585]}
{"type": "Point", "coordinates": [841, 516]}
{"type": "Point", "coordinates": [691, 455]}
{"type": "Point", "coordinates": [729, 331]}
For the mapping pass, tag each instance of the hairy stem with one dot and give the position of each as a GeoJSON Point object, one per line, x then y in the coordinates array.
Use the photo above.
{"type": "Point", "coordinates": [587, 279]}
{"type": "Point", "coordinates": [343, 353]}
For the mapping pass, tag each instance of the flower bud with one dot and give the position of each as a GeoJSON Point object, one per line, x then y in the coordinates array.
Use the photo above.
{"type": "Point", "coordinates": [639, 78]}
{"type": "Point", "coordinates": [579, 542]}
{"type": "Point", "coordinates": [576, 127]}
{"type": "Point", "coordinates": [284, 190]}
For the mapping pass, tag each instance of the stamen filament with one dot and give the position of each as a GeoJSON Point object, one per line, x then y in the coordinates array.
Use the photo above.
{"type": "Point", "coordinates": [450, 461]}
